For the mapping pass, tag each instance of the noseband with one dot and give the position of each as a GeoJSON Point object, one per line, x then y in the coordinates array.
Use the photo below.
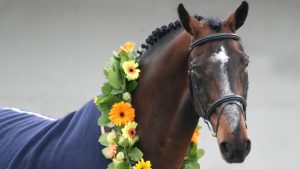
{"type": "Point", "coordinates": [205, 112]}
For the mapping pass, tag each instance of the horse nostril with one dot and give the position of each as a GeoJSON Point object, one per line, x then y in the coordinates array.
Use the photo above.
{"type": "Point", "coordinates": [248, 147]}
{"type": "Point", "coordinates": [225, 149]}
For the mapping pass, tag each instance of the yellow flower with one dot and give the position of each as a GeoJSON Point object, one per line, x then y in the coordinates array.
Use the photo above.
{"type": "Point", "coordinates": [195, 136]}
{"type": "Point", "coordinates": [129, 131]}
{"type": "Point", "coordinates": [121, 113]}
{"type": "Point", "coordinates": [143, 165]}
{"type": "Point", "coordinates": [131, 70]}
{"type": "Point", "coordinates": [127, 47]}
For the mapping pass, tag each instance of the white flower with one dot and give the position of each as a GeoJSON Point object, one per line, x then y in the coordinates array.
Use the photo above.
{"type": "Point", "coordinates": [126, 97]}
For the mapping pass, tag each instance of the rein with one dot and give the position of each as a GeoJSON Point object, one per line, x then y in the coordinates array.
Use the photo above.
{"type": "Point", "coordinates": [205, 112]}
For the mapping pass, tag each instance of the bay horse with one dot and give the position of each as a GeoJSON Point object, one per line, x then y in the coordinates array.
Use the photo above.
{"type": "Point", "coordinates": [193, 68]}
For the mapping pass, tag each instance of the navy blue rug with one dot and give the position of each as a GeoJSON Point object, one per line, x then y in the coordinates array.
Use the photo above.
{"type": "Point", "coordinates": [31, 141]}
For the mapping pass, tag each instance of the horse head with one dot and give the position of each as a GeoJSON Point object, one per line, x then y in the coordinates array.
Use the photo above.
{"type": "Point", "coordinates": [219, 78]}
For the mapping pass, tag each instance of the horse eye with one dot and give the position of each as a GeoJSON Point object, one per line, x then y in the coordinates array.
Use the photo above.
{"type": "Point", "coordinates": [247, 63]}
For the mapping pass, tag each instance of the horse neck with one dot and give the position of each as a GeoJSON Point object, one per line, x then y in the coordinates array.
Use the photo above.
{"type": "Point", "coordinates": [164, 110]}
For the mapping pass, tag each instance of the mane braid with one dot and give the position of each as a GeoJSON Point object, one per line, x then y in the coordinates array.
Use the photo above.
{"type": "Point", "coordinates": [160, 32]}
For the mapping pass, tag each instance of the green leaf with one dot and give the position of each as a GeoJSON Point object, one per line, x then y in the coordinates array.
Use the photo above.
{"type": "Point", "coordinates": [192, 152]}
{"type": "Point", "coordinates": [106, 89]}
{"type": "Point", "coordinates": [105, 72]}
{"type": "Point", "coordinates": [116, 91]}
{"type": "Point", "coordinates": [200, 153]}
{"type": "Point", "coordinates": [111, 137]}
{"type": "Point", "coordinates": [103, 119]}
{"type": "Point", "coordinates": [134, 141]}
{"type": "Point", "coordinates": [114, 80]}
{"type": "Point", "coordinates": [107, 99]}
{"type": "Point", "coordinates": [131, 85]}
{"type": "Point", "coordinates": [99, 99]}
{"type": "Point", "coordinates": [107, 102]}
{"type": "Point", "coordinates": [104, 107]}
{"type": "Point", "coordinates": [135, 154]}
{"type": "Point", "coordinates": [123, 142]}
{"type": "Point", "coordinates": [103, 139]}
{"type": "Point", "coordinates": [116, 57]}
{"type": "Point", "coordinates": [124, 58]}
{"type": "Point", "coordinates": [122, 165]}
{"type": "Point", "coordinates": [121, 74]}
{"type": "Point", "coordinates": [190, 165]}
{"type": "Point", "coordinates": [116, 64]}
{"type": "Point", "coordinates": [199, 127]}
{"type": "Point", "coordinates": [113, 100]}
{"type": "Point", "coordinates": [105, 151]}
{"type": "Point", "coordinates": [111, 166]}
{"type": "Point", "coordinates": [110, 125]}
{"type": "Point", "coordinates": [131, 56]}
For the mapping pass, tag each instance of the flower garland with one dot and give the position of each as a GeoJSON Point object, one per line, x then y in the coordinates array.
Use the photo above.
{"type": "Point", "coordinates": [118, 114]}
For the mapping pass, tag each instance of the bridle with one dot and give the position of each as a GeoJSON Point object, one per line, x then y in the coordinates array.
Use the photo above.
{"type": "Point", "coordinates": [205, 112]}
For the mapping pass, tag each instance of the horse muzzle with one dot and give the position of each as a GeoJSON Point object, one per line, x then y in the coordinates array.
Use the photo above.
{"type": "Point", "coordinates": [235, 151]}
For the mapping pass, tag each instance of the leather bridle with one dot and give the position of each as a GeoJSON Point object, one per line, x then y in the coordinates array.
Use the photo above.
{"type": "Point", "coordinates": [205, 112]}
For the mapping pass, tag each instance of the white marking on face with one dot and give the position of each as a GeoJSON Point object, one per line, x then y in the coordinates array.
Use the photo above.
{"type": "Point", "coordinates": [222, 58]}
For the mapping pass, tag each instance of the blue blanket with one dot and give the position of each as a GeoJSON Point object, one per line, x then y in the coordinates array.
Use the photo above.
{"type": "Point", "coordinates": [31, 141]}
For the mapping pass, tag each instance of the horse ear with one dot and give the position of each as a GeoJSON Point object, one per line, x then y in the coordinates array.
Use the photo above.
{"type": "Point", "coordinates": [237, 18]}
{"type": "Point", "coordinates": [186, 20]}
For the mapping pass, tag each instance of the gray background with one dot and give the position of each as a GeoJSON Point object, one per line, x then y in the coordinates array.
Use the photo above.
{"type": "Point", "coordinates": [52, 53]}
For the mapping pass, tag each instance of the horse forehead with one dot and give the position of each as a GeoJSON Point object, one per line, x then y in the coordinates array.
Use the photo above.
{"type": "Point", "coordinates": [220, 55]}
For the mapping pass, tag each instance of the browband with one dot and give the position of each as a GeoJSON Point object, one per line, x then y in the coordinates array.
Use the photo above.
{"type": "Point", "coordinates": [214, 37]}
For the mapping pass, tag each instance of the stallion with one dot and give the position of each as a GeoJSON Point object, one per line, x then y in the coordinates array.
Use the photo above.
{"type": "Point", "coordinates": [195, 67]}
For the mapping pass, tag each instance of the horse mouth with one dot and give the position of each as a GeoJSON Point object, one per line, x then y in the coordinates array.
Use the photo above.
{"type": "Point", "coordinates": [234, 160]}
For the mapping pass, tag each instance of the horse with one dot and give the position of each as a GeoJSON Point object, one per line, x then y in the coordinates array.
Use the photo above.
{"type": "Point", "coordinates": [197, 71]}
{"type": "Point", "coordinates": [195, 67]}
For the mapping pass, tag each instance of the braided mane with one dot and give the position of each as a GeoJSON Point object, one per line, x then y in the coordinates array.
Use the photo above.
{"type": "Point", "coordinates": [160, 32]}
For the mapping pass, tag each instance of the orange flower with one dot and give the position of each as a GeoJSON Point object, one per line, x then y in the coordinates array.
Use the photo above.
{"type": "Point", "coordinates": [112, 150]}
{"type": "Point", "coordinates": [127, 47]}
{"type": "Point", "coordinates": [195, 136]}
{"type": "Point", "coordinates": [121, 113]}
